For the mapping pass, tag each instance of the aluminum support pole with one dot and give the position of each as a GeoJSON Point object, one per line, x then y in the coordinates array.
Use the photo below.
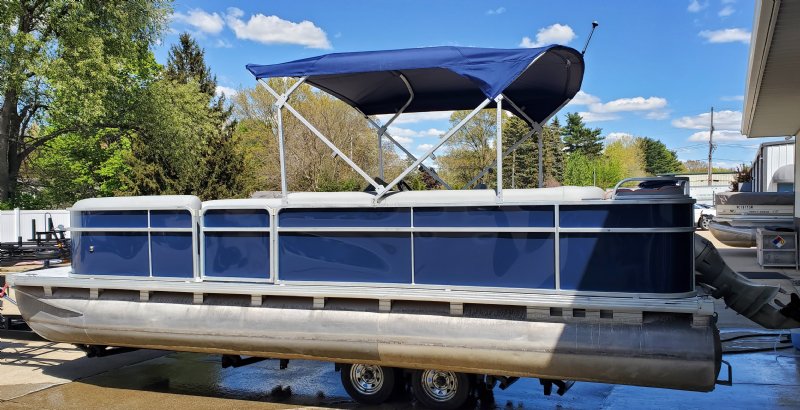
{"type": "Point", "coordinates": [380, 155]}
{"type": "Point", "coordinates": [279, 102]}
{"type": "Point", "coordinates": [498, 143]}
{"type": "Point", "coordinates": [282, 153]}
{"type": "Point", "coordinates": [540, 183]}
{"type": "Point", "coordinates": [282, 99]}
{"type": "Point", "coordinates": [442, 140]}
{"type": "Point", "coordinates": [382, 129]}
{"type": "Point", "coordinates": [425, 168]}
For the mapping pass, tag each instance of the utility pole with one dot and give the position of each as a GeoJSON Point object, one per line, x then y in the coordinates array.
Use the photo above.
{"type": "Point", "coordinates": [710, 145]}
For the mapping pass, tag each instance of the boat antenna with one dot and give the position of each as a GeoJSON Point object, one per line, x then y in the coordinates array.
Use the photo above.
{"type": "Point", "coordinates": [594, 26]}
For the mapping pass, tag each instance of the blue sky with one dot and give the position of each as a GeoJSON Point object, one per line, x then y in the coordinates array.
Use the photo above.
{"type": "Point", "coordinates": [653, 69]}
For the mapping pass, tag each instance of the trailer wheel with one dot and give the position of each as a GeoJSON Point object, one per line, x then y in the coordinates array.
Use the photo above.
{"type": "Point", "coordinates": [368, 383]}
{"type": "Point", "coordinates": [704, 222]}
{"type": "Point", "coordinates": [440, 389]}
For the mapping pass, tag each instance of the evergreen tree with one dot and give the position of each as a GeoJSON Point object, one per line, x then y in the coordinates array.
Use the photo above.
{"type": "Point", "coordinates": [186, 62]}
{"type": "Point", "coordinates": [520, 169]}
{"type": "Point", "coordinates": [221, 164]}
{"type": "Point", "coordinates": [580, 138]}
{"type": "Point", "coordinates": [657, 158]}
{"type": "Point", "coordinates": [553, 153]}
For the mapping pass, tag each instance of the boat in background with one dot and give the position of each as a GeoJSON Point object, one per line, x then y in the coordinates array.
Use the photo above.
{"type": "Point", "coordinates": [740, 214]}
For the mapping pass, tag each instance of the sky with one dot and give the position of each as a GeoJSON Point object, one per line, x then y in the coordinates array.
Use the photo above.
{"type": "Point", "coordinates": [652, 69]}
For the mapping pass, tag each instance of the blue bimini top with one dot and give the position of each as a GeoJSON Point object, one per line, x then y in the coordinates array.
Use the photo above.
{"type": "Point", "coordinates": [538, 80]}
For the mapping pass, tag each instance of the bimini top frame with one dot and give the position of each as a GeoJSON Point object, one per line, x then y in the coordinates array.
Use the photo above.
{"type": "Point", "coordinates": [531, 83]}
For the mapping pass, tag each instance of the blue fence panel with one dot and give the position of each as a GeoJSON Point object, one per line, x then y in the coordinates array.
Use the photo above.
{"type": "Point", "coordinates": [627, 262]}
{"type": "Point", "coordinates": [516, 260]}
{"type": "Point", "coordinates": [172, 254]}
{"type": "Point", "coordinates": [626, 216]}
{"type": "Point", "coordinates": [236, 218]}
{"type": "Point", "coordinates": [237, 255]}
{"type": "Point", "coordinates": [106, 253]}
{"type": "Point", "coordinates": [345, 217]}
{"type": "Point", "coordinates": [345, 257]}
{"type": "Point", "coordinates": [485, 216]}
{"type": "Point", "coordinates": [113, 219]}
{"type": "Point", "coordinates": [170, 219]}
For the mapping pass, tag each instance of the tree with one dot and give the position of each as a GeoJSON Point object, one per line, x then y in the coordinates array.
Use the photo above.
{"type": "Point", "coordinates": [744, 173]}
{"type": "Point", "coordinates": [68, 67]}
{"type": "Point", "coordinates": [72, 167]}
{"type": "Point", "coordinates": [553, 154]}
{"type": "Point", "coordinates": [627, 151]}
{"type": "Point", "coordinates": [693, 166]}
{"type": "Point", "coordinates": [657, 158]}
{"type": "Point", "coordinates": [310, 165]}
{"type": "Point", "coordinates": [601, 171]}
{"type": "Point", "coordinates": [186, 62]}
{"type": "Point", "coordinates": [700, 166]}
{"type": "Point", "coordinates": [165, 149]}
{"type": "Point", "coordinates": [579, 138]}
{"type": "Point", "coordinates": [470, 150]}
{"type": "Point", "coordinates": [220, 164]}
{"type": "Point", "coordinates": [520, 168]}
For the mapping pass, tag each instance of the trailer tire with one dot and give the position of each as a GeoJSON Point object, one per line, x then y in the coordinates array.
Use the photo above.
{"type": "Point", "coordinates": [440, 389]}
{"type": "Point", "coordinates": [368, 383]}
{"type": "Point", "coordinates": [704, 222]}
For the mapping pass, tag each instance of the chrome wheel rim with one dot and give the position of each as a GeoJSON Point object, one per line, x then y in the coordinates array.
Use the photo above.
{"type": "Point", "coordinates": [367, 379]}
{"type": "Point", "coordinates": [439, 385]}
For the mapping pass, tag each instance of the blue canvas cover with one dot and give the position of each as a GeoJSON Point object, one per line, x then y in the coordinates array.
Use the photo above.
{"type": "Point", "coordinates": [538, 80]}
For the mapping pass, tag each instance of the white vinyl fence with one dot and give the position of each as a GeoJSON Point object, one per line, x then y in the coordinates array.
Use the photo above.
{"type": "Point", "coordinates": [18, 223]}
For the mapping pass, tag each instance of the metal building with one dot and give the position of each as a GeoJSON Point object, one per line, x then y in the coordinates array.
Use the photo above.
{"type": "Point", "coordinates": [773, 167]}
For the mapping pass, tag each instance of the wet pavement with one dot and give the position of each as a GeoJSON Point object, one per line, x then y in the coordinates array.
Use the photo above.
{"type": "Point", "coordinates": [186, 380]}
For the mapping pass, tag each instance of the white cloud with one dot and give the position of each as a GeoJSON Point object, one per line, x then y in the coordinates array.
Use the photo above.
{"type": "Point", "coordinates": [719, 135]}
{"type": "Point", "coordinates": [402, 140]}
{"type": "Point", "coordinates": [432, 132]}
{"type": "Point", "coordinates": [235, 12]}
{"type": "Point", "coordinates": [653, 108]}
{"type": "Point", "coordinates": [228, 91]}
{"type": "Point", "coordinates": [596, 117]}
{"type": "Point", "coordinates": [723, 120]}
{"type": "Point", "coordinates": [210, 23]}
{"type": "Point", "coordinates": [657, 115]}
{"type": "Point", "coordinates": [222, 43]}
{"type": "Point", "coordinates": [402, 132]}
{"type": "Point", "coordinates": [614, 136]}
{"type": "Point", "coordinates": [415, 117]}
{"type": "Point", "coordinates": [630, 104]}
{"type": "Point", "coordinates": [582, 98]}
{"type": "Point", "coordinates": [274, 30]}
{"type": "Point", "coordinates": [499, 10]}
{"type": "Point", "coordinates": [695, 6]}
{"type": "Point", "coordinates": [409, 133]}
{"type": "Point", "coordinates": [726, 11]}
{"type": "Point", "coordinates": [727, 35]}
{"type": "Point", "coordinates": [732, 98]}
{"type": "Point", "coordinates": [424, 147]}
{"type": "Point", "coordinates": [555, 34]}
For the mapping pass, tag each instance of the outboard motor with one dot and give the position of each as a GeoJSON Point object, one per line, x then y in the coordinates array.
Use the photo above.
{"type": "Point", "coordinates": [756, 301]}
